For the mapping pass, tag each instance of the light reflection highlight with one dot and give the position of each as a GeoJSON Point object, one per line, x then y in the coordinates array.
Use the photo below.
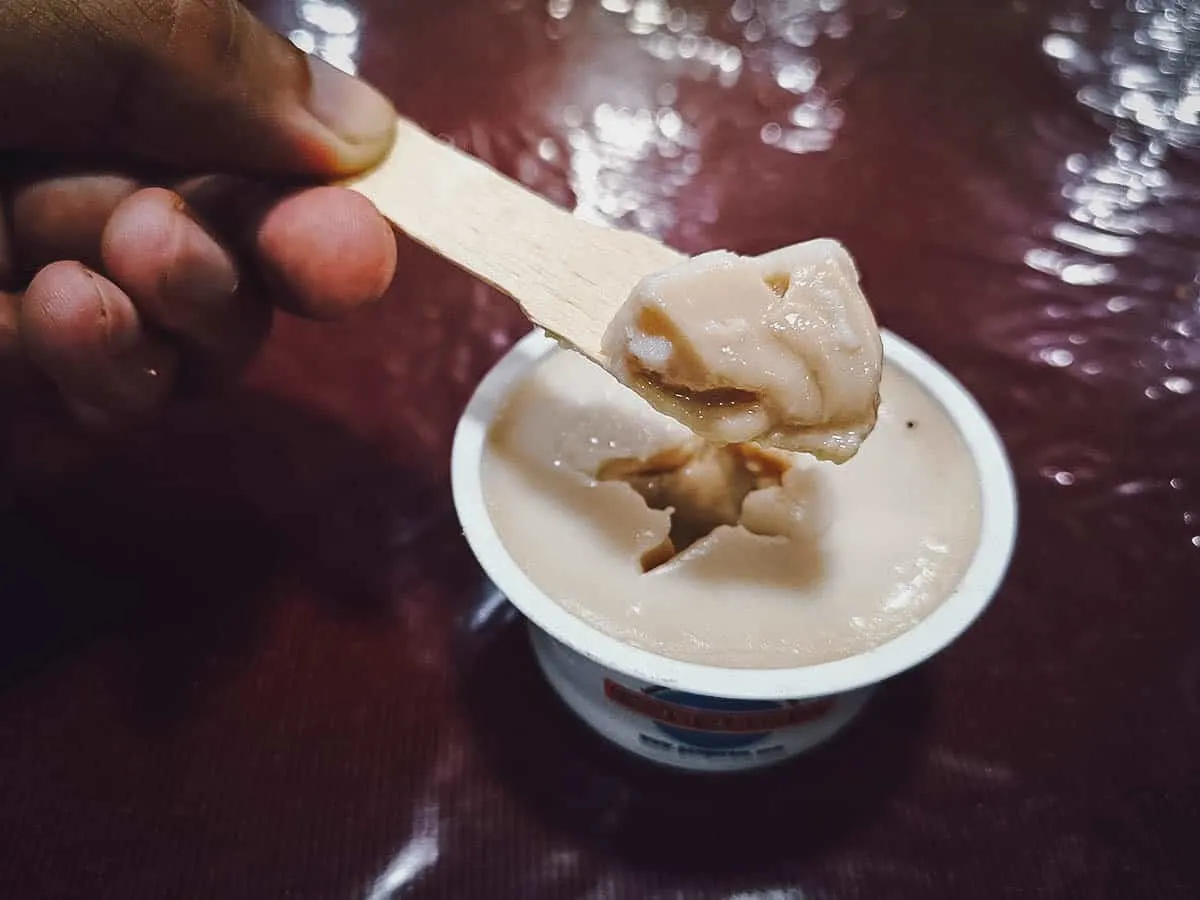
{"type": "Point", "coordinates": [783, 38]}
{"type": "Point", "coordinates": [1136, 64]}
{"type": "Point", "coordinates": [626, 165]}
{"type": "Point", "coordinates": [418, 854]}
{"type": "Point", "coordinates": [1091, 240]}
{"type": "Point", "coordinates": [1121, 204]}
{"type": "Point", "coordinates": [330, 30]}
{"type": "Point", "coordinates": [794, 893]}
{"type": "Point", "coordinates": [674, 34]}
{"type": "Point", "coordinates": [1059, 476]}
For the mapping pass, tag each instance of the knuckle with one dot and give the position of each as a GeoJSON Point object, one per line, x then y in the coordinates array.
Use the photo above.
{"type": "Point", "coordinates": [205, 35]}
{"type": "Point", "coordinates": [175, 48]}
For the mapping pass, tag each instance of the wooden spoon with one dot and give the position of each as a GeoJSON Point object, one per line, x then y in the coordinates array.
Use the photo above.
{"type": "Point", "coordinates": [567, 275]}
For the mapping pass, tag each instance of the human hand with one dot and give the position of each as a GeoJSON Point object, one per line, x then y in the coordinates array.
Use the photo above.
{"type": "Point", "coordinates": [151, 156]}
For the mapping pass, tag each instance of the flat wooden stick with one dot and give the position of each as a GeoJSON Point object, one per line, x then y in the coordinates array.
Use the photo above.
{"type": "Point", "coordinates": [569, 276]}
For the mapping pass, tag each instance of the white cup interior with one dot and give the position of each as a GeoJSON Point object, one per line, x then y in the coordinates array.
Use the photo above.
{"type": "Point", "coordinates": [939, 628]}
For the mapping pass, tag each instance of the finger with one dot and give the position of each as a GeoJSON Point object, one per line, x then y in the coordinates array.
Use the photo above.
{"type": "Point", "coordinates": [84, 333]}
{"type": "Point", "coordinates": [10, 349]}
{"type": "Point", "coordinates": [182, 280]}
{"type": "Point", "coordinates": [20, 387]}
{"type": "Point", "coordinates": [327, 250]}
{"type": "Point", "coordinates": [320, 253]}
{"type": "Point", "coordinates": [6, 260]}
{"type": "Point", "coordinates": [10, 355]}
{"type": "Point", "coordinates": [199, 84]}
{"type": "Point", "coordinates": [63, 217]}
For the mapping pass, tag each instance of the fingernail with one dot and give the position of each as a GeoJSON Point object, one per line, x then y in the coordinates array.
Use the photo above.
{"type": "Point", "coordinates": [352, 109]}
{"type": "Point", "coordinates": [204, 278]}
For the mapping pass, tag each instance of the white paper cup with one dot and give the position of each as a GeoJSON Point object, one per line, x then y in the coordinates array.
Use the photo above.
{"type": "Point", "coordinates": [712, 718]}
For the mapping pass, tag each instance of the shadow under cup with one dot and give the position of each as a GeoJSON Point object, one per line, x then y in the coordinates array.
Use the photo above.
{"type": "Point", "coordinates": [711, 718]}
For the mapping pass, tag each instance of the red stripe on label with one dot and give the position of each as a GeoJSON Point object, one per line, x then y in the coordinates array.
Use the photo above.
{"type": "Point", "coordinates": [723, 721]}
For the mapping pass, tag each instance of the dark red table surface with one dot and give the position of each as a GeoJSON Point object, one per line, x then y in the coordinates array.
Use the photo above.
{"type": "Point", "coordinates": [248, 655]}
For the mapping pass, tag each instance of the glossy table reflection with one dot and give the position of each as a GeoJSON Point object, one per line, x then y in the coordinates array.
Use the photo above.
{"type": "Point", "coordinates": [249, 656]}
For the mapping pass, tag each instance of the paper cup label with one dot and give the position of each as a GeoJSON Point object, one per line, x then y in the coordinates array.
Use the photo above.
{"type": "Point", "coordinates": [713, 727]}
{"type": "Point", "coordinates": [685, 729]}
{"type": "Point", "coordinates": [695, 718]}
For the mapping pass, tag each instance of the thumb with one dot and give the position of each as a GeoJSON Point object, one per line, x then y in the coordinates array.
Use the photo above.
{"type": "Point", "coordinates": [192, 84]}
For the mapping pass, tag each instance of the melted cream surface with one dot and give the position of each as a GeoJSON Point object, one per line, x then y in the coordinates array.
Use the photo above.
{"type": "Point", "coordinates": [846, 556]}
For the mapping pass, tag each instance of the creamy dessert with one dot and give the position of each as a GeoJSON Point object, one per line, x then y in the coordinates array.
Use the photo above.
{"type": "Point", "coordinates": [728, 555]}
{"type": "Point", "coordinates": [780, 349]}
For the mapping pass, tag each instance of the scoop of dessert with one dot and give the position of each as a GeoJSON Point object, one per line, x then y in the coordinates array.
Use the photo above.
{"type": "Point", "coordinates": [780, 349]}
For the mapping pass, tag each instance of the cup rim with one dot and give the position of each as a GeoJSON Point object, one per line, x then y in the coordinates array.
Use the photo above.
{"type": "Point", "coordinates": [951, 618]}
